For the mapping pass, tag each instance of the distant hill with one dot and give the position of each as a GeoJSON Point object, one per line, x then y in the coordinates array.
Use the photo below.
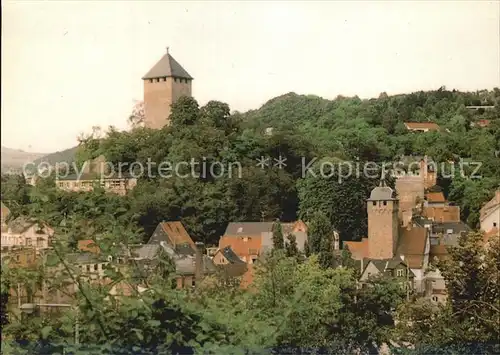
{"type": "Point", "coordinates": [13, 159]}
{"type": "Point", "coordinates": [67, 156]}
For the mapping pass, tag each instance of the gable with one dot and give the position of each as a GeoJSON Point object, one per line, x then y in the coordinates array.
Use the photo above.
{"type": "Point", "coordinates": [175, 235]}
{"type": "Point", "coordinates": [369, 271]}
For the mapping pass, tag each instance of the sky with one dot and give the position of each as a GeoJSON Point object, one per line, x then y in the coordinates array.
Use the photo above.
{"type": "Point", "coordinates": [71, 65]}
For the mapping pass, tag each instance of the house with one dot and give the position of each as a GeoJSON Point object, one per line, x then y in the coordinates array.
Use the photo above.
{"type": "Point", "coordinates": [24, 231]}
{"type": "Point", "coordinates": [442, 214]}
{"type": "Point", "coordinates": [394, 268]}
{"type": "Point", "coordinates": [421, 126]}
{"type": "Point", "coordinates": [442, 233]}
{"type": "Point", "coordinates": [249, 240]}
{"type": "Point", "coordinates": [434, 199]}
{"type": "Point", "coordinates": [387, 238]}
{"type": "Point", "coordinates": [189, 268]}
{"type": "Point", "coordinates": [174, 235]}
{"type": "Point", "coordinates": [21, 257]}
{"type": "Point", "coordinates": [97, 173]}
{"type": "Point", "coordinates": [489, 215]}
{"type": "Point", "coordinates": [229, 264]}
{"type": "Point", "coordinates": [92, 266]}
{"type": "Point", "coordinates": [435, 287]}
{"type": "Point", "coordinates": [227, 256]}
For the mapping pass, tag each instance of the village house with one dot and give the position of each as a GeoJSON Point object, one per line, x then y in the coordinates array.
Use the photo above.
{"type": "Point", "coordinates": [388, 239]}
{"type": "Point", "coordinates": [25, 232]}
{"type": "Point", "coordinates": [489, 215]}
{"type": "Point", "coordinates": [175, 235]}
{"type": "Point", "coordinates": [442, 233]}
{"type": "Point", "coordinates": [249, 240]}
{"type": "Point", "coordinates": [421, 126]}
{"type": "Point", "coordinates": [394, 268]}
{"type": "Point", "coordinates": [229, 264]}
{"type": "Point", "coordinates": [191, 265]}
{"type": "Point", "coordinates": [434, 199]}
{"type": "Point", "coordinates": [97, 173]}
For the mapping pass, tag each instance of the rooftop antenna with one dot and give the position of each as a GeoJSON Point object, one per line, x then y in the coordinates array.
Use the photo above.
{"type": "Point", "coordinates": [167, 49]}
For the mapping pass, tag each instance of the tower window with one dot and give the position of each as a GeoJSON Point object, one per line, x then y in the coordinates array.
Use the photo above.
{"type": "Point", "coordinates": [163, 79]}
{"type": "Point", "coordinates": [374, 203]}
{"type": "Point", "coordinates": [175, 79]}
{"type": "Point", "coordinates": [150, 80]}
{"type": "Point", "coordinates": [385, 203]}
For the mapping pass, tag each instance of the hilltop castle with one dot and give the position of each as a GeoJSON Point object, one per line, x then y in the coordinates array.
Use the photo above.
{"type": "Point", "coordinates": [164, 84]}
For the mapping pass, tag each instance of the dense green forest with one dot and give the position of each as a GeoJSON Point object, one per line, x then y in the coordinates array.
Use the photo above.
{"type": "Point", "coordinates": [298, 302]}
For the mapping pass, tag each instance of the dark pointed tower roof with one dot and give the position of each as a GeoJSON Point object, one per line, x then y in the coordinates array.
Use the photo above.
{"type": "Point", "coordinates": [167, 66]}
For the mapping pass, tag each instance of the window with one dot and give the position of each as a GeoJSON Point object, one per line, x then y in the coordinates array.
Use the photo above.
{"type": "Point", "coordinates": [494, 224]}
{"type": "Point", "coordinates": [240, 230]}
{"type": "Point", "coordinates": [245, 239]}
{"type": "Point", "coordinates": [150, 80]}
{"type": "Point", "coordinates": [400, 273]}
{"type": "Point", "coordinates": [95, 267]}
{"type": "Point", "coordinates": [434, 298]}
{"type": "Point", "coordinates": [193, 282]}
{"type": "Point", "coordinates": [374, 203]}
{"type": "Point", "coordinates": [28, 241]}
{"type": "Point", "coordinates": [385, 203]}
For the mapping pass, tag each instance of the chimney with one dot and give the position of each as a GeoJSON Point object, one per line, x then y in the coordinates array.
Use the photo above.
{"type": "Point", "coordinates": [198, 264]}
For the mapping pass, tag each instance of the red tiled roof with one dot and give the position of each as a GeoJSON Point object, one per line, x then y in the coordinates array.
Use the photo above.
{"type": "Point", "coordinates": [442, 214]}
{"type": "Point", "coordinates": [438, 251]}
{"type": "Point", "coordinates": [411, 244]}
{"type": "Point", "coordinates": [242, 246]}
{"type": "Point", "coordinates": [422, 125]}
{"type": "Point", "coordinates": [359, 250]}
{"type": "Point", "coordinates": [88, 245]}
{"type": "Point", "coordinates": [435, 197]}
{"type": "Point", "coordinates": [177, 233]}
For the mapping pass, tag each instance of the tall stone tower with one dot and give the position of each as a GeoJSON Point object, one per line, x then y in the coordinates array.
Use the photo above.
{"type": "Point", "coordinates": [164, 84]}
{"type": "Point", "coordinates": [383, 223]}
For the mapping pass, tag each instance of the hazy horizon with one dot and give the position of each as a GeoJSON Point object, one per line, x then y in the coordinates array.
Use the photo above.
{"type": "Point", "coordinates": [70, 66]}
